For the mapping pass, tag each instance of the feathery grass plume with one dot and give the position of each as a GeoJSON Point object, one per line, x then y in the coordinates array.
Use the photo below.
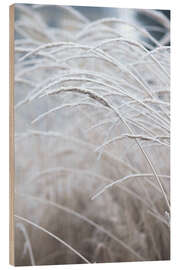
{"type": "Point", "coordinates": [92, 137]}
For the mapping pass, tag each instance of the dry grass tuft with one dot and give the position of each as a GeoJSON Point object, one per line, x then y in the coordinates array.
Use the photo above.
{"type": "Point", "coordinates": [92, 142]}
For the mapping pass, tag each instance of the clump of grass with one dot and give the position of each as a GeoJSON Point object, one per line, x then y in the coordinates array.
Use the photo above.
{"type": "Point", "coordinates": [92, 122]}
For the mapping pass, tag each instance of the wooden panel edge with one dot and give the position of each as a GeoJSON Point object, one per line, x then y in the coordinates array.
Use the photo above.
{"type": "Point", "coordinates": [11, 136]}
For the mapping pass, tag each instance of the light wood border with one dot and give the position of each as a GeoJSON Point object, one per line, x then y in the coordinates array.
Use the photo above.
{"type": "Point", "coordinates": [11, 135]}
